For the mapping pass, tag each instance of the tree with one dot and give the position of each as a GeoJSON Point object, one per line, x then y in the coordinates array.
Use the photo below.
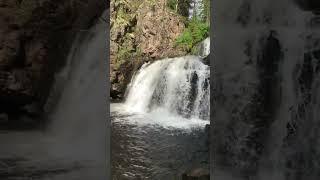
{"type": "Point", "coordinates": [184, 7]}
{"type": "Point", "coordinates": [206, 10]}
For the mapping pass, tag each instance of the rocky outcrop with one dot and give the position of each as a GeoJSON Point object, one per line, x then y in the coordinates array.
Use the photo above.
{"type": "Point", "coordinates": [35, 37]}
{"type": "Point", "coordinates": [140, 31]}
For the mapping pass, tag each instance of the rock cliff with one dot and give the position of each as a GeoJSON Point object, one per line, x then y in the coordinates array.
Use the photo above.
{"type": "Point", "coordinates": [141, 31]}
{"type": "Point", "coordinates": [35, 37]}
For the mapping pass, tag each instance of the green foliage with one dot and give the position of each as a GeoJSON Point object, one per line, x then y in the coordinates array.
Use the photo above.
{"type": "Point", "coordinates": [125, 12]}
{"type": "Point", "coordinates": [125, 54]}
{"type": "Point", "coordinates": [195, 32]}
{"type": "Point", "coordinates": [185, 40]}
{"type": "Point", "coordinates": [127, 51]}
{"type": "Point", "coordinates": [198, 27]}
{"type": "Point", "coordinates": [172, 4]}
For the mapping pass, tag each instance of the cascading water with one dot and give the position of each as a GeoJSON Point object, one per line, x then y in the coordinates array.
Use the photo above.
{"type": "Point", "coordinates": [160, 126]}
{"type": "Point", "coordinates": [79, 113]}
{"type": "Point", "coordinates": [267, 90]}
{"type": "Point", "coordinates": [204, 48]}
{"type": "Point", "coordinates": [179, 86]}
{"type": "Point", "coordinates": [196, 6]}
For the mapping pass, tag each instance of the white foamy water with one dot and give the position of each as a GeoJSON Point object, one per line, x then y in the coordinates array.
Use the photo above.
{"type": "Point", "coordinates": [196, 8]}
{"type": "Point", "coordinates": [159, 117]}
{"type": "Point", "coordinates": [204, 48]}
{"type": "Point", "coordinates": [170, 92]}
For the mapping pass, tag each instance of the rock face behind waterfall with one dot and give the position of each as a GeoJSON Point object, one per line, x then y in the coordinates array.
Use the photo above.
{"type": "Point", "coordinates": [266, 92]}
{"type": "Point", "coordinates": [148, 33]}
{"type": "Point", "coordinates": [35, 37]}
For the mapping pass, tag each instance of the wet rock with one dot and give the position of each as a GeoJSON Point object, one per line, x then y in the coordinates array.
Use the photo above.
{"type": "Point", "coordinates": [197, 174]}
{"type": "Point", "coordinates": [206, 60]}
{"type": "Point", "coordinates": [207, 128]}
{"type": "Point", "coordinates": [32, 109]}
{"type": "Point", "coordinates": [207, 131]}
{"type": "Point", "coordinates": [115, 95]}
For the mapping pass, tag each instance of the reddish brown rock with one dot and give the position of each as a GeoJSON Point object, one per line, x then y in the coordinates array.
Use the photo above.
{"type": "Point", "coordinates": [146, 31]}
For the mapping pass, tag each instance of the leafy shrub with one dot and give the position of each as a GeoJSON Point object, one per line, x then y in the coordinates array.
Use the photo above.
{"type": "Point", "coordinates": [195, 32]}
{"type": "Point", "coordinates": [185, 40]}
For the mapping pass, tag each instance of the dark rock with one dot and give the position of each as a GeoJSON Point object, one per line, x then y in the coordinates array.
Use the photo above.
{"type": "Point", "coordinates": [207, 128]}
{"type": "Point", "coordinates": [309, 5]}
{"type": "Point", "coordinates": [4, 118]}
{"type": "Point", "coordinates": [32, 109]}
{"type": "Point", "coordinates": [206, 60]}
{"type": "Point", "coordinates": [115, 95]}
{"type": "Point", "coordinates": [244, 13]}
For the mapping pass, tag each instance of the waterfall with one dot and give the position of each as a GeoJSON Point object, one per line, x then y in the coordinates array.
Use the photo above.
{"type": "Point", "coordinates": [267, 88]}
{"type": "Point", "coordinates": [204, 48]}
{"type": "Point", "coordinates": [196, 8]}
{"type": "Point", "coordinates": [78, 119]}
{"type": "Point", "coordinates": [162, 120]}
{"type": "Point", "coordinates": [178, 85]}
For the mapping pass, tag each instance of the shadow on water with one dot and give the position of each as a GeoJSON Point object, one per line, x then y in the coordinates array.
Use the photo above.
{"type": "Point", "coordinates": [14, 168]}
{"type": "Point", "coordinates": [23, 124]}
